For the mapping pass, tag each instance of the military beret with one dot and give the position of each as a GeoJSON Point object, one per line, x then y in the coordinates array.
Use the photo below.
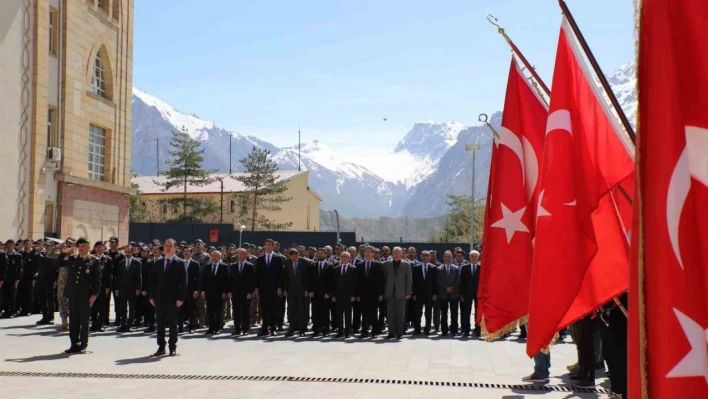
{"type": "Point", "coordinates": [198, 241]}
{"type": "Point", "coordinates": [113, 239]}
{"type": "Point", "coordinates": [11, 241]}
{"type": "Point", "coordinates": [132, 243]}
{"type": "Point", "coordinates": [156, 242]}
{"type": "Point", "coordinates": [20, 241]}
{"type": "Point", "coordinates": [98, 243]}
{"type": "Point", "coordinates": [38, 242]}
{"type": "Point", "coordinates": [312, 248]}
{"type": "Point", "coordinates": [82, 240]}
{"type": "Point", "coordinates": [232, 246]}
{"type": "Point", "coordinates": [184, 243]}
{"type": "Point", "coordinates": [212, 248]}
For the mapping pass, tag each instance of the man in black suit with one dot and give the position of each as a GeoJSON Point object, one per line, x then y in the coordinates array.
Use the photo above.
{"type": "Point", "coordinates": [319, 286]}
{"type": "Point", "coordinates": [242, 285]}
{"type": "Point", "coordinates": [116, 256]}
{"type": "Point", "coordinates": [370, 291]}
{"type": "Point", "coordinates": [215, 288]}
{"type": "Point", "coordinates": [345, 288]}
{"type": "Point", "coordinates": [424, 292]}
{"type": "Point", "coordinates": [448, 278]}
{"type": "Point", "coordinates": [167, 291]}
{"type": "Point", "coordinates": [469, 284]}
{"type": "Point", "coordinates": [129, 285]}
{"type": "Point", "coordinates": [189, 310]}
{"type": "Point", "coordinates": [154, 263]}
{"type": "Point", "coordinates": [269, 277]}
{"type": "Point", "coordinates": [295, 289]}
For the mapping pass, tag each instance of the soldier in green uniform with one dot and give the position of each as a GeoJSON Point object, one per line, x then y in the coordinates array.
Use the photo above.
{"type": "Point", "coordinates": [83, 285]}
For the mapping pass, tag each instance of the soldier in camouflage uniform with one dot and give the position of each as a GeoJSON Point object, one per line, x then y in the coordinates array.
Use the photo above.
{"type": "Point", "coordinates": [67, 250]}
{"type": "Point", "coordinates": [201, 257]}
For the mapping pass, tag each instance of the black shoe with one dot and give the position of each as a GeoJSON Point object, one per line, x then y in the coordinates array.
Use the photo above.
{"type": "Point", "coordinates": [82, 349]}
{"type": "Point", "coordinates": [399, 337]}
{"type": "Point", "coordinates": [364, 334]}
{"type": "Point", "coordinates": [426, 332]}
{"type": "Point", "coordinates": [390, 336]}
{"type": "Point", "coordinates": [72, 350]}
{"type": "Point", "coordinates": [262, 333]}
{"type": "Point", "coordinates": [600, 366]}
{"type": "Point", "coordinates": [115, 323]}
{"type": "Point", "coordinates": [466, 335]}
{"type": "Point", "coordinates": [41, 322]}
{"type": "Point", "coordinates": [416, 332]}
{"type": "Point", "coordinates": [160, 352]}
{"type": "Point", "coordinates": [272, 333]}
{"type": "Point", "coordinates": [209, 332]}
{"type": "Point", "coordinates": [150, 330]}
{"type": "Point", "coordinates": [173, 352]}
{"type": "Point", "coordinates": [180, 329]}
{"type": "Point", "coordinates": [244, 332]}
{"type": "Point", "coordinates": [280, 328]}
{"type": "Point", "coordinates": [289, 333]}
{"type": "Point", "coordinates": [584, 383]}
{"type": "Point", "coordinates": [190, 331]}
{"type": "Point", "coordinates": [235, 332]}
{"type": "Point", "coordinates": [346, 335]}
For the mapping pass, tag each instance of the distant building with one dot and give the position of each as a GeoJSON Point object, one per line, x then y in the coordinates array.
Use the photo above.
{"type": "Point", "coordinates": [303, 210]}
{"type": "Point", "coordinates": [65, 117]}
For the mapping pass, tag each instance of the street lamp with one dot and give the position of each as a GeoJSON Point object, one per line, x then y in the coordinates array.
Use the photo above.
{"type": "Point", "coordinates": [240, 234]}
{"type": "Point", "coordinates": [472, 148]}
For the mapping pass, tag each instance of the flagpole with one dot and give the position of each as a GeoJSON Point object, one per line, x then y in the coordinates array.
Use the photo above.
{"type": "Point", "coordinates": [598, 71]}
{"type": "Point", "coordinates": [494, 21]}
{"type": "Point", "coordinates": [483, 118]}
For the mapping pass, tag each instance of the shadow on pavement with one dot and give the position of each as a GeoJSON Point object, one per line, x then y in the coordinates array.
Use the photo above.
{"type": "Point", "coordinates": [40, 358]}
{"type": "Point", "coordinates": [139, 360]}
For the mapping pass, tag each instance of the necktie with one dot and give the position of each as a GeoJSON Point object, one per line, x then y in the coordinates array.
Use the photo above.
{"type": "Point", "coordinates": [321, 267]}
{"type": "Point", "coordinates": [240, 267]}
{"type": "Point", "coordinates": [367, 267]}
{"type": "Point", "coordinates": [213, 270]}
{"type": "Point", "coordinates": [268, 260]}
{"type": "Point", "coordinates": [295, 268]}
{"type": "Point", "coordinates": [127, 265]}
{"type": "Point", "coordinates": [447, 269]}
{"type": "Point", "coordinates": [167, 264]}
{"type": "Point", "coordinates": [424, 267]}
{"type": "Point", "coordinates": [344, 270]}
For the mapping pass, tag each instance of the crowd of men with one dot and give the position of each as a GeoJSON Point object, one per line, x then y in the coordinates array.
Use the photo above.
{"type": "Point", "coordinates": [345, 291]}
{"type": "Point", "coordinates": [171, 288]}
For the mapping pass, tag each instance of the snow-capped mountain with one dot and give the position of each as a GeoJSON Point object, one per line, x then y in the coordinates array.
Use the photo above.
{"type": "Point", "coordinates": [342, 183]}
{"type": "Point", "coordinates": [624, 85]}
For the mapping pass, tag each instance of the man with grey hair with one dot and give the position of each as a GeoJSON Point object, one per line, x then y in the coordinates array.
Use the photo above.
{"type": "Point", "coordinates": [448, 279]}
{"type": "Point", "coordinates": [398, 288]}
{"type": "Point", "coordinates": [469, 283]}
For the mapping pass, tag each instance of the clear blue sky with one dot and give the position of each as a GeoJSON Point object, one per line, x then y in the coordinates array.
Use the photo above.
{"type": "Point", "coordinates": [337, 67]}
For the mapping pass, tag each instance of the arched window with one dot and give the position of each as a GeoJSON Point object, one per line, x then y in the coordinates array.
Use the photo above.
{"type": "Point", "coordinates": [101, 82]}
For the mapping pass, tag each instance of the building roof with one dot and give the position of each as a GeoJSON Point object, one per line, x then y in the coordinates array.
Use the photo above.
{"type": "Point", "coordinates": [151, 184]}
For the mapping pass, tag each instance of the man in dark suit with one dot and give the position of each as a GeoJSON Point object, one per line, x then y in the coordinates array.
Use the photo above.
{"type": "Point", "coordinates": [129, 285]}
{"type": "Point", "coordinates": [319, 286]}
{"type": "Point", "coordinates": [116, 256]}
{"type": "Point", "coordinates": [448, 278]}
{"type": "Point", "coordinates": [295, 289]}
{"type": "Point", "coordinates": [100, 312]}
{"type": "Point", "coordinates": [345, 288]}
{"type": "Point", "coordinates": [82, 288]}
{"type": "Point", "coordinates": [154, 263]}
{"type": "Point", "coordinates": [370, 291]}
{"type": "Point", "coordinates": [269, 277]}
{"type": "Point", "coordinates": [215, 289]}
{"type": "Point", "coordinates": [424, 292]}
{"type": "Point", "coordinates": [334, 260]}
{"type": "Point", "coordinates": [469, 284]}
{"type": "Point", "coordinates": [189, 310]}
{"type": "Point", "coordinates": [242, 285]}
{"type": "Point", "coordinates": [168, 289]}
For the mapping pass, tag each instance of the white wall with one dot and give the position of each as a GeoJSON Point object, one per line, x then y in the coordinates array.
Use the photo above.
{"type": "Point", "coordinates": [11, 27]}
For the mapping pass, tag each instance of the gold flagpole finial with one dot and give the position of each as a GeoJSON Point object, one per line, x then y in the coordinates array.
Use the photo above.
{"type": "Point", "coordinates": [534, 85]}
{"type": "Point", "coordinates": [484, 119]}
{"type": "Point", "coordinates": [494, 21]}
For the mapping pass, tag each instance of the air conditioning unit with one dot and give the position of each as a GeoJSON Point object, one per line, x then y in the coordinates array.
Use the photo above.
{"type": "Point", "coordinates": [54, 154]}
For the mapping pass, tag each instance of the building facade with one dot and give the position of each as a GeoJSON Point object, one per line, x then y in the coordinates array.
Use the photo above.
{"type": "Point", "coordinates": [303, 208]}
{"type": "Point", "coordinates": [66, 117]}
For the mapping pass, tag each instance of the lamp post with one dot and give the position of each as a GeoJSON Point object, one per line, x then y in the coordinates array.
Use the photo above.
{"type": "Point", "coordinates": [240, 235]}
{"type": "Point", "coordinates": [221, 180]}
{"type": "Point", "coordinates": [472, 148]}
{"type": "Point", "coordinates": [337, 215]}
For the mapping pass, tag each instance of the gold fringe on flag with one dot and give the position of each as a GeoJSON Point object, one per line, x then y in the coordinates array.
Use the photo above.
{"type": "Point", "coordinates": [507, 329]}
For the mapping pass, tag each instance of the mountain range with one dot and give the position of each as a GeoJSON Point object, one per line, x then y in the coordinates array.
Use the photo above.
{"type": "Point", "coordinates": [412, 180]}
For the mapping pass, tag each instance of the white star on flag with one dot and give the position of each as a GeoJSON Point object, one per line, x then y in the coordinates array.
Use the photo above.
{"type": "Point", "coordinates": [511, 222]}
{"type": "Point", "coordinates": [541, 211]}
{"type": "Point", "coordinates": [695, 363]}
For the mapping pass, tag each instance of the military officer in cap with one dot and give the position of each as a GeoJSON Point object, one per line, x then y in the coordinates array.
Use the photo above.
{"type": "Point", "coordinates": [82, 288]}
{"type": "Point", "coordinates": [13, 272]}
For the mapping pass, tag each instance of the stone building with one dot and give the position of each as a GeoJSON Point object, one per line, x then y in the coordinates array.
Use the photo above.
{"type": "Point", "coordinates": [65, 117]}
{"type": "Point", "coordinates": [303, 209]}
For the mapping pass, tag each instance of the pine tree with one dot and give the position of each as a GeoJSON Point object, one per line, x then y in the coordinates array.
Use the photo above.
{"type": "Point", "coordinates": [137, 207]}
{"type": "Point", "coordinates": [457, 224]}
{"type": "Point", "coordinates": [185, 169]}
{"type": "Point", "coordinates": [263, 191]}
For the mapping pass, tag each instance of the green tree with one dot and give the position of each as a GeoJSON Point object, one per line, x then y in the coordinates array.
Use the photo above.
{"type": "Point", "coordinates": [185, 169]}
{"type": "Point", "coordinates": [263, 191]}
{"type": "Point", "coordinates": [138, 211]}
{"type": "Point", "coordinates": [457, 224]}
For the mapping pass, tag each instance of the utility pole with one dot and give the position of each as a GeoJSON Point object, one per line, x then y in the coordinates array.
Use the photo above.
{"type": "Point", "coordinates": [472, 148]}
{"type": "Point", "coordinates": [337, 215]}
{"type": "Point", "coordinates": [157, 151]}
{"type": "Point", "coordinates": [230, 152]}
{"type": "Point", "coordinates": [298, 148]}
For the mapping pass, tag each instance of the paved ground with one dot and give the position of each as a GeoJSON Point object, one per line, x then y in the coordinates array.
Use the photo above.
{"type": "Point", "coordinates": [25, 347]}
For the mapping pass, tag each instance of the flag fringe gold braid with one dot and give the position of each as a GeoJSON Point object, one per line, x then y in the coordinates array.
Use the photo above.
{"type": "Point", "coordinates": [640, 307]}
{"type": "Point", "coordinates": [507, 329]}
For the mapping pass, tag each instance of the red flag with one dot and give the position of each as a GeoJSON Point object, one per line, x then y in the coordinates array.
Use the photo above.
{"type": "Point", "coordinates": [510, 218]}
{"type": "Point", "coordinates": [669, 273]}
{"type": "Point", "coordinates": [581, 257]}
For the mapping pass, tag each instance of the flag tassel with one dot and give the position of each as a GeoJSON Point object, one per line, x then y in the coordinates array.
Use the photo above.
{"type": "Point", "coordinates": [507, 329]}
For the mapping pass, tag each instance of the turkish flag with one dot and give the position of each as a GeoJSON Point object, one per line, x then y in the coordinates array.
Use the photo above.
{"type": "Point", "coordinates": [510, 219]}
{"type": "Point", "coordinates": [669, 272]}
{"type": "Point", "coordinates": [581, 257]}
